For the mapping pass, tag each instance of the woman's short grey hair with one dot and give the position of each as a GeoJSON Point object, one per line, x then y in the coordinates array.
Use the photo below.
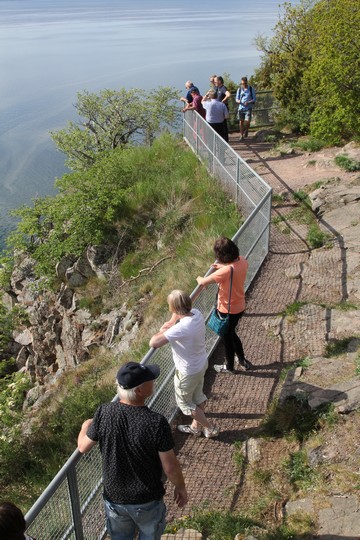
{"type": "Point", "coordinates": [179, 302]}
{"type": "Point", "coordinates": [126, 395]}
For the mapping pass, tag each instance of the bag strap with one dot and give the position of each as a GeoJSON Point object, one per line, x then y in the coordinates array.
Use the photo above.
{"type": "Point", "coordinates": [217, 292]}
{"type": "Point", "coordinates": [231, 280]}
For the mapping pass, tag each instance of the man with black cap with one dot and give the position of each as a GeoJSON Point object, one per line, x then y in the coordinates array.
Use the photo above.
{"type": "Point", "coordinates": [136, 447]}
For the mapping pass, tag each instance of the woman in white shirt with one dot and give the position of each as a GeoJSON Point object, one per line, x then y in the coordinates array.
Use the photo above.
{"type": "Point", "coordinates": [185, 332]}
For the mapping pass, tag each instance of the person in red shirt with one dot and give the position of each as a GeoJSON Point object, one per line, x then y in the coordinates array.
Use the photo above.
{"type": "Point", "coordinates": [196, 103]}
{"type": "Point", "coordinates": [227, 256]}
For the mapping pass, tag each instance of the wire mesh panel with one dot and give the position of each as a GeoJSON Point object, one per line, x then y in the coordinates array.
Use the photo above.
{"type": "Point", "coordinates": [72, 507]}
{"type": "Point", "coordinates": [55, 521]}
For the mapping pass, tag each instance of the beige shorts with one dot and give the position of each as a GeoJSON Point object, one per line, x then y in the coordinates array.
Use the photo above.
{"type": "Point", "coordinates": [189, 390]}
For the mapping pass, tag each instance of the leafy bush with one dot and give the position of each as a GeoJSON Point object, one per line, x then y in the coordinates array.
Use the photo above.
{"type": "Point", "coordinates": [32, 460]}
{"type": "Point", "coordinates": [310, 145]}
{"type": "Point", "coordinates": [300, 474]}
{"type": "Point", "coordinates": [347, 163]}
{"type": "Point", "coordinates": [315, 237]}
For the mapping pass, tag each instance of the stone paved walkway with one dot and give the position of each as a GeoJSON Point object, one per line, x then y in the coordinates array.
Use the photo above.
{"type": "Point", "coordinates": [238, 402]}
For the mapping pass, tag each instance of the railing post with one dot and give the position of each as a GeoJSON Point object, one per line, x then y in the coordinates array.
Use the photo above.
{"type": "Point", "coordinates": [269, 222]}
{"type": "Point", "coordinates": [237, 182]}
{"type": "Point", "coordinates": [75, 504]}
{"type": "Point", "coordinates": [213, 153]}
{"type": "Point", "coordinates": [197, 136]}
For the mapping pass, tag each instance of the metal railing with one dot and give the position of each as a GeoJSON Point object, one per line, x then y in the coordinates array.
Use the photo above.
{"type": "Point", "coordinates": [71, 506]}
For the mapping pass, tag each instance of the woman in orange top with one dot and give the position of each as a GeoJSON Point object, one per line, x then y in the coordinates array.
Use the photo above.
{"type": "Point", "coordinates": [227, 256]}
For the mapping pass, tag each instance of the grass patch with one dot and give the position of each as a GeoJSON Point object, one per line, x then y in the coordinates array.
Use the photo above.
{"type": "Point", "coordinates": [293, 309]}
{"type": "Point", "coordinates": [278, 219]}
{"type": "Point", "coordinates": [299, 526]}
{"type": "Point", "coordinates": [262, 476]}
{"type": "Point", "coordinates": [303, 362]}
{"type": "Point", "coordinates": [214, 524]}
{"type": "Point", "coordinates": [337, 347]}
{"type": "Point", "coordinates": [238, 456]}
{"type": "Point", "coordinates": [309, 145]}
{"type": "Point", "coordinates": [315, 237]}
{"type": "Point", "coordinates": [295, 419]}
{"type": "Point", "coordinates": [346, 163]}
{"type": "Point", "coordinates": [357, 366]}
{"type": "Point", "coordinates": [298, 470]}
{"type": "Point", "coordinates": [277, 199]}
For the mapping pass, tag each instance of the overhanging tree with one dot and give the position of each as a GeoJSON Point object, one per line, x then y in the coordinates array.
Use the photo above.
{"type": "Point", "coordinates": [114, 118]}
{"type": "Point", "coordinates": [312, 64]}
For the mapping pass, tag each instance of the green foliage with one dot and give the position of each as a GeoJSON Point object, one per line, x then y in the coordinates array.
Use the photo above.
{"type": "Point", "coordinates": [293, 309]}
{"type": "Point", "coordinates": [9, 319]}
{"type": "Point", "coordinates": [32, 460]}
{"type": "Point", "coordinates": [214, 524]}
{"type": "Point", "coordinates": [295, 418]}
{"type": "Point", "coordinates": [277, 199]}
{"type": "Point", "coordinates": [309, 144]}
{"type": "Point", "coordinates": [13, 388]}
{"type": "Point", "coordinates": [357, 366]}
{"type": "Point", "coordinates": [114, 199]}
{"type": "Point", "coordinates": [301, 196]}
{"type": "Point", "coordinates": [317, 80]}
{"type": "Point", "coordinates": [337, 347]}
{"type": "Point", "coordinates": [315, 237]}
{"type": "Point", "coordinates": [300, 474]}
{"type": "Point", "coordinates": [347, 163]}
{"type": "Point", "coordinates": [114, 118]}
{"type": "Point", "coordinates": [238, 456]}
{"type": "Point", "coordinates": [262, 476]}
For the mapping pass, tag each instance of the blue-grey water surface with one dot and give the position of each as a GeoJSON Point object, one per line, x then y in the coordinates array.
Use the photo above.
{"type": "Point", "coordinates": [50, 50]}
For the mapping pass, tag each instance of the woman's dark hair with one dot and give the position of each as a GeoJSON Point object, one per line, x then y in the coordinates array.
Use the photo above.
{"type": "Point", "coordinates": [12, 522]}
{"type": "Point", "coordinates": [225, 250]}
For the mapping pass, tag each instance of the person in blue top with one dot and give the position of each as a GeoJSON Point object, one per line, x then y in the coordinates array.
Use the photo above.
{"type": "Point", "coordinates": [246, 97]}
{"type": "Point", "coordinates": [189, 87]}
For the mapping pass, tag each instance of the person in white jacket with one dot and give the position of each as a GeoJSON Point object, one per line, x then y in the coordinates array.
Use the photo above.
{"type": "Point", "coordinates": [185, 332]}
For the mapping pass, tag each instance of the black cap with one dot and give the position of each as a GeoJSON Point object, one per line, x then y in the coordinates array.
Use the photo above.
{"type": "Point", "coordinates": [133, 374]}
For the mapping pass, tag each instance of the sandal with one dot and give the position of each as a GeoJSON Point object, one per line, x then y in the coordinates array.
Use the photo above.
{"type": "Point", "coordinates": [190, 430]}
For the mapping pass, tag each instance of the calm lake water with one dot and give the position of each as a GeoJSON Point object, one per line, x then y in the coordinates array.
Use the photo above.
{"type": "Point", "coordinates": [50, 50]}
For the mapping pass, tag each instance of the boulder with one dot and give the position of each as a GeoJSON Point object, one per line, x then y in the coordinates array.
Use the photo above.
{"type": "Point", "coordinates": [21, 357]}
{"type": "Point", "coordinates": [63, 265]}
{"type": "Point", "coordinates": [74, 278]}
{"type": "Point", "coordinates": [9, 299]}
{"type": "Point", "coordinates": [65, 298]}
{"type": "Point", "coordinates": [24, 338]}
{"type": "Point", "coordinates": [98, 257]}
{"type": "Point", "coordinates": [24, 269]}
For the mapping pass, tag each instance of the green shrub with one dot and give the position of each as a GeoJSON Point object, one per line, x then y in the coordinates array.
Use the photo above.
{"type": "Point", "coordinates": [315, 237]}
{"type": "Point", "coordinates": [337, 347]}
{"type": "Point", "coordinates": [295, 418]}
{"type": "Point", "coordinates": [310, 145]}
{"type": "Point", "coordinates": [347, 163]}
{"type": "Point", "coordinates": [293, 309]}
{"type": "Point", "coordinates": [300, 474]}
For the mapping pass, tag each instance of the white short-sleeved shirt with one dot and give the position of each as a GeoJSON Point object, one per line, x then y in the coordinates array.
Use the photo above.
{"type": "Point", "coordinates": [187, 339]}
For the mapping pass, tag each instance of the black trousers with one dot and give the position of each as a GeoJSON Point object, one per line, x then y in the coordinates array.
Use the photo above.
{"type": "Point", "coordinates": [232, 342]}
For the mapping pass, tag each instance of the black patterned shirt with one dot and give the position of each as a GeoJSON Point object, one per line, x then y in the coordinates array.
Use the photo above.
{"type": "Point", "coordinates": [130, 439]}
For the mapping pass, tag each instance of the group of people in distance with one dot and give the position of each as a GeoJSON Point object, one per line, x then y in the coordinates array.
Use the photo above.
{"type": "Point", "coordinates": [214, 106]}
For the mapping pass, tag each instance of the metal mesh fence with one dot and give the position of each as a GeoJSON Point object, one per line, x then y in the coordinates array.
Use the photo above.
{"type": "Point", "coordinates": [71, 507]}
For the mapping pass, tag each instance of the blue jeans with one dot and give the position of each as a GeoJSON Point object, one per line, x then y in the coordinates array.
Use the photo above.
{"type": "Point", "coordinates": [123, 520]}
